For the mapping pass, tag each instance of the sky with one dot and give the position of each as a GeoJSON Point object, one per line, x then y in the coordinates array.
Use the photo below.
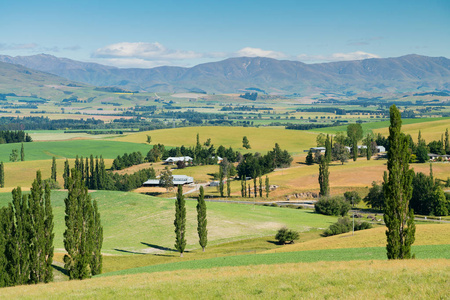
{"type": "Point", "coordinates": [147, 34]}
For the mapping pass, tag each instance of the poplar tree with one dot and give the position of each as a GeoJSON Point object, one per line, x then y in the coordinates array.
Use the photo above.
{"type": "Point", "coordinates": [92, 178]}
{"type": "Point", "coordinates": [2, 175]}
{"type": "Point", "coordinates": [249, 190]}
{"type": "Point", "coordinates": [4, 234]}
{"type": "Point", "coordinates": [447, 142]}
{"type": "Point", "coordinates": [323, 177]}
{"type": "Point", "coordinates": [267, 187]}
{"type": "Point", "coordinates": [53, 174]}
{"type": "Point", "coordinates": [201, 220]}
{"type": "Point", "coordinates": [255, 192]}
{"type": "Point", "coordinates": [78, 219]}
{"type": "Point", "coordinates": [369, 147]}
{"type": "Point", "coordinates": [221, 180]}
{"type": "Point", "coordinates": [180, 221]}
{"type": "Point", "coordinates": [328, 149]}
{"type": "Point", "coordinates": [40, 232]}
{"type": "Point", "coordinates": [22, 153]}
{"type": "Point", "coordinates": [96, 238]}
{"type": "Point", "coordinates": [242, 187]}
{"type": "Point", "coordinates": [66, 174]}
{"type": "Point", "coordinates": [260, 187]}
{"type": "Point", "coordinates": [86, 171]}
{"type": "Point", "coordinates": [228, 187]}
{"type": "Point", "coordinates": [397, 187]}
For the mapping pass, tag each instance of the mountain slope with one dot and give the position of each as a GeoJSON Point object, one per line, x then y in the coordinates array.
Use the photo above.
{"type": "Point", "coordinates": [406, 73]}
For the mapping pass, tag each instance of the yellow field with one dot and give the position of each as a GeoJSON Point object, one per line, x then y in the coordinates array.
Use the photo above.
{"type": "Point", "coordinates": [402, 279]}
{"type": "Point", "coordinates": [261, 139]}
{"type": "Point", "coordinates": [426, 234]}
{"type": "Point", "coordinates": [23, 173]}
{"type": "Point", "coordinates": [430, 130]}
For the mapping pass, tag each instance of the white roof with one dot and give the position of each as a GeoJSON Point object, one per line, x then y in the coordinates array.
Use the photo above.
{"type": "Point", "coordinates": [318, 148]}
{"type": "Point", "coordinates": [177, 179]}
{"type": "Point", "coordinates": [179, 158]}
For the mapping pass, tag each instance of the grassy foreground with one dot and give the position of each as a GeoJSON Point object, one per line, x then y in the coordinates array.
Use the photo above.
{"type": "Point", "coordinates": [410, 279]}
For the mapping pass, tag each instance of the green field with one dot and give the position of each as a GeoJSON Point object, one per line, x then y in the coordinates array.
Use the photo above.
{"type": "Point", "coordinates": [135, 223]}
{"type": "Point", "coordinates": [70, 149]}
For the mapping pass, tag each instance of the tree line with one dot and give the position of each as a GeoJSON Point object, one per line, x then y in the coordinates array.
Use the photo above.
{"type": "Point", "coordinates": [14, 136]}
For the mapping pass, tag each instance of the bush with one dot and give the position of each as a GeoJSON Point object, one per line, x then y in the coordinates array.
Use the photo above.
{"type": "Point", "coordinates": [344, 225]}
{"type": "Point", "coordinates": [332, 206]}
{"type": "Point", "coordinates": [285, 235]}
{"type": "Point", "coordinates": [54, 185]}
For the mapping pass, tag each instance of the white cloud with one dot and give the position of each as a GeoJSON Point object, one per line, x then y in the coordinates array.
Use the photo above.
{"type": "Point", "coordinates": [147, 51]}
{"type": "Point", "coordinates": [136, 63]}
{"type": "Point", "coordinates": [254, 52]}
{"type": "Point", "coordinates": [357, 55]}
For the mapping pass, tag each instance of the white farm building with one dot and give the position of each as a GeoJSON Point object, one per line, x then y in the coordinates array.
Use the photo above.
{"type": "Point", "coordinates": [177, 180]}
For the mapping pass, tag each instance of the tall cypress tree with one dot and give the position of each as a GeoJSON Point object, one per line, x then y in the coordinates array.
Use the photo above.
{"type": "Point", "coordinates": [369, 147]}
{"type": "Point", "coordinates": [41, 232]}
{"type": "Point", "coordinates": [255, 192]}
{"type": "Point", "coordinates": [242, 187]}
{"type": "Point", "coordinates": [201, 220]}
{"type": "Point", "coordinates": [323, 177]}
{"type": "Point", "coordinates": [82, 170]}
{"type": "Point", "coordinates": [22, 153]}
{"type": "Point", "coordinates": [228, 186]}
{"type": "Point", "coordinates": [77, 236]}
{"type": "Point", "coordinates": [328, 149]}
{"type": "Point", "coordinates": [267, 187]}
{"type": "Point", "coordinates": [355, 150]}
{"type": "Point", "coordinates": [221, 180]}
{"type": "Point", "coordinates": [2, 175]}
{"type": "Point", "coordinates": [3, 241]}
{"type": "Point", "coordinates": [180, 221]}
{"type": "Point", "coordinates": [97, 174]}
{"type": "Point", "coordinates": [397, 189]}
{"type": "Point", "coordinates": [260, 187]}
{"type": "Point", "coordinates": [66, 174]}
{"type": "Point", "coordinates": [96, 237]}
{"type": "Point", "coordinates": [86, 171]}
{"type": "Point", "coordinates": [92, 178]}
{"type": "Point", "coordinates": [53, 174]}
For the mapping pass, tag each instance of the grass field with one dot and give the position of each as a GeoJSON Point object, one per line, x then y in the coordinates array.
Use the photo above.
{"type": "Point", "coordinates": [135, 223]}
{"type": "Point", "coordinates": [261, 139]}
{"type": "Point", "coordinates": [70, 149]}
{"type": "Point", "coordinates": [430, 131]}
{"type": "Point", "coordinates": [410, 279]}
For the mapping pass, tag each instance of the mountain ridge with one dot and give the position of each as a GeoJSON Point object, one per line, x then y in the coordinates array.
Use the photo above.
{"type": "Point", "coordinates": [374, 75]}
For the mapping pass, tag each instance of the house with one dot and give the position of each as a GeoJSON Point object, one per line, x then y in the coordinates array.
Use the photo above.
{"type": "Point", "coordinates": [318, 149]}
{"type": "Point", "coordinates": [174, 160]}
{"type": "Point", "coordinates": [177, 180]}
{"type": "Point", "coordinates": [437, 157]}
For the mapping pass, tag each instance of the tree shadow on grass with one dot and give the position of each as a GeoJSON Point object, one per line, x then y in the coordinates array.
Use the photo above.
{"type": "Point", "coordinates": [154, 194]}
{"type": "Point", "coordinates": [60, 269]}
{"type": "Point", "coordinates": [127, 251]}
{"type": "Point", "coordinates": [158, 247]}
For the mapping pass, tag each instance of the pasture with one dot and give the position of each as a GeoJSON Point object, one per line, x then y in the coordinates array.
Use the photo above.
{"type": "Point", "coordinates": [261, 139]}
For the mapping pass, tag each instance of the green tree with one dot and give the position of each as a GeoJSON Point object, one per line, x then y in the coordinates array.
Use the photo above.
{"type": "Point", "coordinates": [368, 143]}
{"type": "Point", "coordinates": [323, 178]}
{"type": "Point", "coordinates": [228, 186]}
{"type": "Point", "coordinates": [447, 142]}
{"type": "Point", "coordinates": [201, 220]}
{"type": "Point", "coordinates": [149, 139]}
{"type": "Point", "coordinates": [397, 188]}
{"type": "Point", "coordinates": [255, 189]}
{"type": "Point", "coordinates": [309, 158]}
{"type": "Point", "coordinates": [2, 175]}
{"type": "Point", "coordinates": [340, 153]}
{"type": "Point", "coordinates": [180, 221]}
{"type": "Point", "coordinates": [221, 176]}
{"type": "Point", "coordinates": [78, 220]}
{"type": "Point", "coordinates": [267, 187]}
{"type": "Point", "coordinates": [320, 140]}
{"type": "Point", "coordinates": [22, 153]}
{"type": "Point", "coordinates": [166, 179]}
{"type": "Point", "coordinates": [14, 155]}
{"type": "Point", "coordinates": [285, 235]}
{"type": "Point", "coordinates": [328, 149]}
{"type": "Point", "coordinates": [375, 197]}
{"type": "Point", "coordinates": [260, 186]}
{"type": "Point", "coordinates": [66, 174]}
{"type": "Point", "coordinates": [96, 240]}
{"type": "Point", "coordinates": [40, 232]}
{"type": "Point", "coordinates": [53, 174]}
{"type": "Point", "coordinates": [352, 197]}
{"type": "Point", "coordinates": [355, 133]}
{"type": "Point", "coordinates": [246, 143]}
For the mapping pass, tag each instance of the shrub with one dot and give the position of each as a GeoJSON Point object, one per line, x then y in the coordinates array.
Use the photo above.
{"type": "Point", "coordinates": [344, 225]}
{"type": "Point", "coordinates": [285, 235]}
{"type": "Point", "coordinates": [332, 206]}
{"type": "Point", "coordinates": [54, 185]}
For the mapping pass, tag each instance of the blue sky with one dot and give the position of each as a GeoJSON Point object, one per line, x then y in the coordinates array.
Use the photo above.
{"type": "Point", "coordinates": [185, 33]}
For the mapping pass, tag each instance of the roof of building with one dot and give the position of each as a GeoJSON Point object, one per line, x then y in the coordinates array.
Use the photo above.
{"type": "Point", "coordinates": [177, 180]}
{"type": "Point", "coordinates": [179, 158]}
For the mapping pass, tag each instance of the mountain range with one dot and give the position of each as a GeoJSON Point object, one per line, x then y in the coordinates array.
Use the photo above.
{"type": "Point", "coordinates": [234, 75]}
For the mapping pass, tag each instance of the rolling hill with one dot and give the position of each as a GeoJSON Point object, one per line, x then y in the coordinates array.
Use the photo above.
{"type": "Point", "coordinates": [401, 74]}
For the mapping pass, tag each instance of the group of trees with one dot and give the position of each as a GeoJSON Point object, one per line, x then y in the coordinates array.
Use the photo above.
{"type": "Point", "coordinates": [83, 237]}
{"type": "Point", "coordinates": [14, 156]}
{"type": "Point", "coordinates": [332, 206]}
{"type": "Point", "coordinates": [246, 188]}
{"type": "Point", "coordinates": [344, 225]}
{"type": "Point", "coordinates": [125, 161]}
{"type": "Point", "coordinates": [180, 221]}
{"type": "Point", "coordinates": [94, 175]}
{"type": "Point", "coordinates": [26, 237]}
{"type": "Point", "coordinates": [16, 136]}
{"type": "Point", "coordinates": [253, 165]}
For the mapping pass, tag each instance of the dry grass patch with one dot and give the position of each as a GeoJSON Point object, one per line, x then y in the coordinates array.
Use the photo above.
{"type": "Point", "coordinates": [430, 130]}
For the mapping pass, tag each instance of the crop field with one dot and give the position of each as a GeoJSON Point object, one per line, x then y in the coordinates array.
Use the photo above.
{"type": "Point", "coordinates": [135, 223]}
{"type": "Point", "coordinates": [419, 279]}
{"type": "Point", "coordinates": [430, 131]}
{"type": "Point", "coordinates": [70, 149]}
{"type": "Point", "coordinates": [261, 139]}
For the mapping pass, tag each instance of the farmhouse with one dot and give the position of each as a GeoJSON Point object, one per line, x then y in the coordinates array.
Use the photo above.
{"type": "Point", "coordinates": [437, 157]}
{"type": "Point", "coordinates": [177, 180]}
{"type": "Point", "coordinates": [174, 160]}
{"type": "Point", "coordinates": [380, 149]}
{"type": "Point", "coordinates": [318, 149]}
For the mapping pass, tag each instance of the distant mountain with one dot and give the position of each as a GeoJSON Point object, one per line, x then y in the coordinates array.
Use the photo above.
{"type": "Point", "coordinates": [375, 75]}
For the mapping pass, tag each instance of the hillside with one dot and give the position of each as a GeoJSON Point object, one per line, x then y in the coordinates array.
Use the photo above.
{"type": "Point", "coordinates": [406, 73]}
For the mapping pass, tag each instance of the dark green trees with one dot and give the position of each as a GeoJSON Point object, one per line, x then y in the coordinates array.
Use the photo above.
{"type": "Point", "coordinates": [83, 235]}
{"type": "Point", "coordinates": [2, 175]}
{"type": "Point", "coordinates": [323, 177]}
{"type": "Point", "coordinates": [201, 220]}
{"type": "Point", "coordinates": [22, 153]}
{"type": "Point", "coordinates": [328, 149]}
{"type": "Point", "coordinates": [246, 143]}
{"type": "Point", "coordinates": [309, 158]}
{"type": "Point", "coordinates": [397, 188]}
{"type": "Point", "coordinates": [355, 133]}
{"type": "Point", "coordinates": [66, 174]}
{"type": "Point", "coordinates": [267, 187]}
{"type": "Point", "coordinates": [180, 221]}
{"type": "Point", "coordinates": [53, 174]}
